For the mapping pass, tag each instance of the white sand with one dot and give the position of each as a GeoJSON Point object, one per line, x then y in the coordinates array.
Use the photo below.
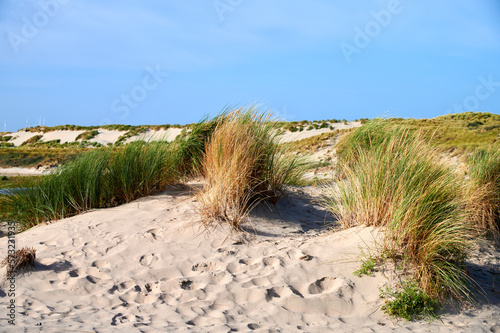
{"type": "Point", "coordinates": [147, 266]}
{"type": "Point", "coordinates": [64, 136]}
{"type": "Point", "coordinates": [161, 135]}
{"type": "Point", "coordinates": [24, 171]}
{"type": "Point", "coordinates": [296, 136]}
{"type": "Point", "coordinates": [106, 136]}
{"type": "Point", "coordinates": [19, 137]}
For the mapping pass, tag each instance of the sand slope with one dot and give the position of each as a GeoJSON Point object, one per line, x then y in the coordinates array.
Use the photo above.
{"type": "Point", "coordinates": [111, 136]}
{"type": "Point", "coordinates": [147, 266]}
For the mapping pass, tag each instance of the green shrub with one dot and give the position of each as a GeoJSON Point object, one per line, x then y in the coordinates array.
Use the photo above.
{"type": "Point", "coordinates": [85, 136]}
{"type": "Point", "coordinates": [133, 132]}
{"type": "Point", "coordinates": [409, 302]}
{"type": "Point", "coordinates": [367, 267]}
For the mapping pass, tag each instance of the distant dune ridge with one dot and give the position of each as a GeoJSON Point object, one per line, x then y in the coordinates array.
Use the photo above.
{"type": "Point", "coordinates": [104, 136]}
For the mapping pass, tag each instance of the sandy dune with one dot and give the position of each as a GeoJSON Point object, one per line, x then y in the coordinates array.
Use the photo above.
{"type": "Point", "coordinates": [147, 266]}
{"type": "Point", "coordinates": [63, 136]}
{"type": "Point", "coordinates": [110, 136]}
{"type": "Point", "coordinates": [19, 137]}
{"type": "Point", "coordinates": [161, 135]}
{"type": "Point", "coordinates": [106, 136]}
{"type": "Point", "coordinates": [24, 171]}
{"type": "Point", "coordinates": [296, 136]}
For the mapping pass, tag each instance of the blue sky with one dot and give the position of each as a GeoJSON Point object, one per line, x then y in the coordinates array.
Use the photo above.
{"type": "Point", "coordinates": [90, 62]}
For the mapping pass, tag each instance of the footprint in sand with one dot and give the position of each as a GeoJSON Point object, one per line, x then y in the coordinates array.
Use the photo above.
{"type": "Point", "coordinates": [148, 259]}
{"type": "Point", "coordinates": [186, 284]}
{"type": "Point", "coordinates": [123, 286]}
{"type": "Point", "coordinates": [273, 261]}
{"type": "Point", "coordinates": [331, 285]}
{"type": "Point", "coordinates": [205, 267]}
{"type": "Point", "coordinates": [71, 253]}
{"type": "Point", "coordinates": [51, 243]}
{"type": "Point", "coordinates": [120, 319]}
{"type": "Point", "coordinates": [271, 293]}
{"type": "Point", "coordinates": [220, 278]}
{"type": "Point", "coordinates": [281, 292]}
{"type": "Point", "coordinates": [100, 264]}
{"type": "Point", "coordinates": [261, 281]}
{"type": "Point", "coordinates": [137, 296]}
{"type": "Point", "coordinates": [155, 234]}
{"type": "Point", "coordinates": [229, 252]}
{"type": "Point", "coordinates": [76, 272]}
{"type": "Point", "coordinates": [114, 248]}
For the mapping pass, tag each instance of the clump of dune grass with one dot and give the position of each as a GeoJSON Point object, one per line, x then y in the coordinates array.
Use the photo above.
{"type": "Point", "coordinates": [139, 169]}
{"type": "Point", "coordinates": [19, 261]}
{"type": "Point", "coordinates": [395, 180]}
{"type": "Point", "coordinates": [99, 178]}
{"type": "Point", "coordinates": [484, 191]}
{"type": "Point", "coordinates": [364, 138]}
{"type": "Point", "coordinates": [80, 183]}
{"type": "Point", "coordinates": [244, 164]}
{"type": "Point", "coordinates": [189, 147]}
{"type": "Point", "coordinates": [73, 188]}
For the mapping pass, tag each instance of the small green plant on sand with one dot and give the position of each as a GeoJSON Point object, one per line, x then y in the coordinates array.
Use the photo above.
{"type": "Point", "coordinates": [367, 267]}
{"type": "Point", "coordinates": [410, 302]}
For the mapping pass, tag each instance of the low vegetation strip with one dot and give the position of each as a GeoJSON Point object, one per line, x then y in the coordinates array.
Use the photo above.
{"type": "Point", "coordinates": [463, 132]}
{"type": "Point", "coordinates": [98, 178]}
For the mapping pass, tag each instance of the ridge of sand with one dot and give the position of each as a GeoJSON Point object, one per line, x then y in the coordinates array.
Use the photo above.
{"type": "Point", "coordinates": [25, 171]}
{"type": "Point", "coordinates": [63, 135]}
{"type": "Point", "coordinates": [296, 136]}
{"type": "Point", "coordinates": [148, 266]}
{"type": "Point", "coordinates": [19, 137]}
{"type": "Point", "coordinates": [107, 136]}
{"type": "Point", "coordinates": [110, 136]}
{"type": "Point", "coordinates": [168, 135]}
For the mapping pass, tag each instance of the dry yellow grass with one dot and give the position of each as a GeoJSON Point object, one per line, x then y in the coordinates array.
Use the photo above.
{"type": "Point", "coordinates": [19, 261]}
{"type": "Point", "coordinates": [228, 168]}
{"type": "Point", "coordinates": [483, 192]}
{"type": "Point", "coordinates": [243, 165]}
